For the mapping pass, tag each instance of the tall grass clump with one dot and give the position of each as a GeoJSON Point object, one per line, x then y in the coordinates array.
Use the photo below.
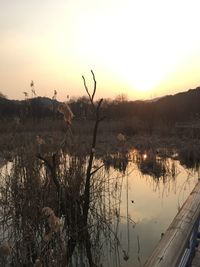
{"type": "Point", "coordinates": [58, 205]}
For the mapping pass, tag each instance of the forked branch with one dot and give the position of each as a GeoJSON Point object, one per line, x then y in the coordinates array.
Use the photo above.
{"type": "Point", "coordinates": [91, 97]}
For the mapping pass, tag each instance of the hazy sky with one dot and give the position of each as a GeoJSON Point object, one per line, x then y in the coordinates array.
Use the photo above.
{"type": "Point", "coordinates": [142, 48]}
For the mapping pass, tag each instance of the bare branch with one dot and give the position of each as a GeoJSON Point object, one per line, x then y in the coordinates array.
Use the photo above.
{"type": "Point", "coordinates": [98, 108]}
{"type": "Point", "coordinates": [92, 173]}
{"type": "Point", "coordinates": [91, 97]}
{"type": "Point", "coordinates": [95, 85]}
{"type": "Point", "coordinates": [52, 169]}
{"type": "Point", "coordinates": [86, 88]}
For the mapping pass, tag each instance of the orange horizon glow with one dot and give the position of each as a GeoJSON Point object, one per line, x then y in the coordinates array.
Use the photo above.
{"type": "Point", "coordinates": [144, 49]}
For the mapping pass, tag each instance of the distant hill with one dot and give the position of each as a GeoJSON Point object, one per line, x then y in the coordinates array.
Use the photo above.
{"type": "Point", "coordinates": [153, 100]}
{"type": "Point", "coordinates": [170, 109]}
{"type": "Point", "coordinates": [180, 107]}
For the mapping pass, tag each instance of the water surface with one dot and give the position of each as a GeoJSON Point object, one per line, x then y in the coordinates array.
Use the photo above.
{"type": "Point", "coordinates": [151, 204]}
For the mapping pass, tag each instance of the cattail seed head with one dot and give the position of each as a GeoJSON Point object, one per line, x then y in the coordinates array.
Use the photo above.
{"type": "Point", "coordinates": [5, 249]}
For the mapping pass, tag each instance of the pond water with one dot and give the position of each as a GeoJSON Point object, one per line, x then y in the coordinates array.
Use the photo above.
{"type": "Point", "coordinates": [148, 204]}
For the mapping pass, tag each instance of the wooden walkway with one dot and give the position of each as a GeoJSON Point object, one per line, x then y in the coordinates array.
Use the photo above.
{"type": "Point", "coordinates": [196, 260]}
{"type": "Point", "coordinates": [177, 247]}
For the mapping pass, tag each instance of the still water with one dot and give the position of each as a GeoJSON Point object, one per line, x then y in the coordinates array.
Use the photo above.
{"type": "Point", "coordinates": [147, 204]}
{"type": "Point", "coordinates": [150, 204]}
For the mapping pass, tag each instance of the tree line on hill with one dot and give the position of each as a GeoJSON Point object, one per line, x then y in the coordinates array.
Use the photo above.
{"type": "Point", "coordinates": [169, 110]}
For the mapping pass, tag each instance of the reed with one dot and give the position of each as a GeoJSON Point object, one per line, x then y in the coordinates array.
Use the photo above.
{"type": "Point", "coordinates": [57, 206]}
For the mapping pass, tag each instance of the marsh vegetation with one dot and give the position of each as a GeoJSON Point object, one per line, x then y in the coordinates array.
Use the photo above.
{"type": "Point", "coordinates": [64, 190]}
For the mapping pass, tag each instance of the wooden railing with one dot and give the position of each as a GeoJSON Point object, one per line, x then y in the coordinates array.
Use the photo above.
{"type": "Point", "coordinates": [177, 246]}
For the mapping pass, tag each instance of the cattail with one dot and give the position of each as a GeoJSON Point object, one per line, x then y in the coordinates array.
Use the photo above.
{"type": "Point", "coordinates": [40, 140]}
{"type": "Point", "coordinates": [53, 222]}
{"type": "Point", "coordinates": [32, 84]}
{"type": "Point", "coordinates": [66, 111]}
{"type": "Point", "coordinates": [5, 250]}
{"type": "Point", "coordinates": [25, 95]}
{"type": "Point", "coordinates": [55, 94]}
{"type": "Point", "coordinates": [46, 211]}
{"type": "Point", "coordinates": [121, 137]}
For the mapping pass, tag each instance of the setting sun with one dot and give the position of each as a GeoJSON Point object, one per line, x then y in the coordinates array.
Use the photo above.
{"type": "Point", "coordinates": [139, 48]}
{"type": "Point", "coordinates": [142, 43]}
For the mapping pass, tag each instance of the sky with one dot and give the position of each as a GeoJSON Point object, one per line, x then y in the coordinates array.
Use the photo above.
{"type": "Point", "coordinates": [141, 48]}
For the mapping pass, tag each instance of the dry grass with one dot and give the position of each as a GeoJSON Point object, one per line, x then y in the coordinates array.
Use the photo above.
{"type": "Point", "coordinates": [58, 205]}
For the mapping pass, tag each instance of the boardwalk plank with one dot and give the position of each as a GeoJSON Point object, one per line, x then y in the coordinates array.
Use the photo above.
{"type": "Point", "coordinates": [170, 249]}
{"type": "Point", "coordinates": [196, 260]}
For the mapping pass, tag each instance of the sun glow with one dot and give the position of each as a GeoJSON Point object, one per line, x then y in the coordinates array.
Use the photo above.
{"type": "Point", "coordinates": [137, 47]}
{"type": "Point", "coordinates": [141, 52]}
